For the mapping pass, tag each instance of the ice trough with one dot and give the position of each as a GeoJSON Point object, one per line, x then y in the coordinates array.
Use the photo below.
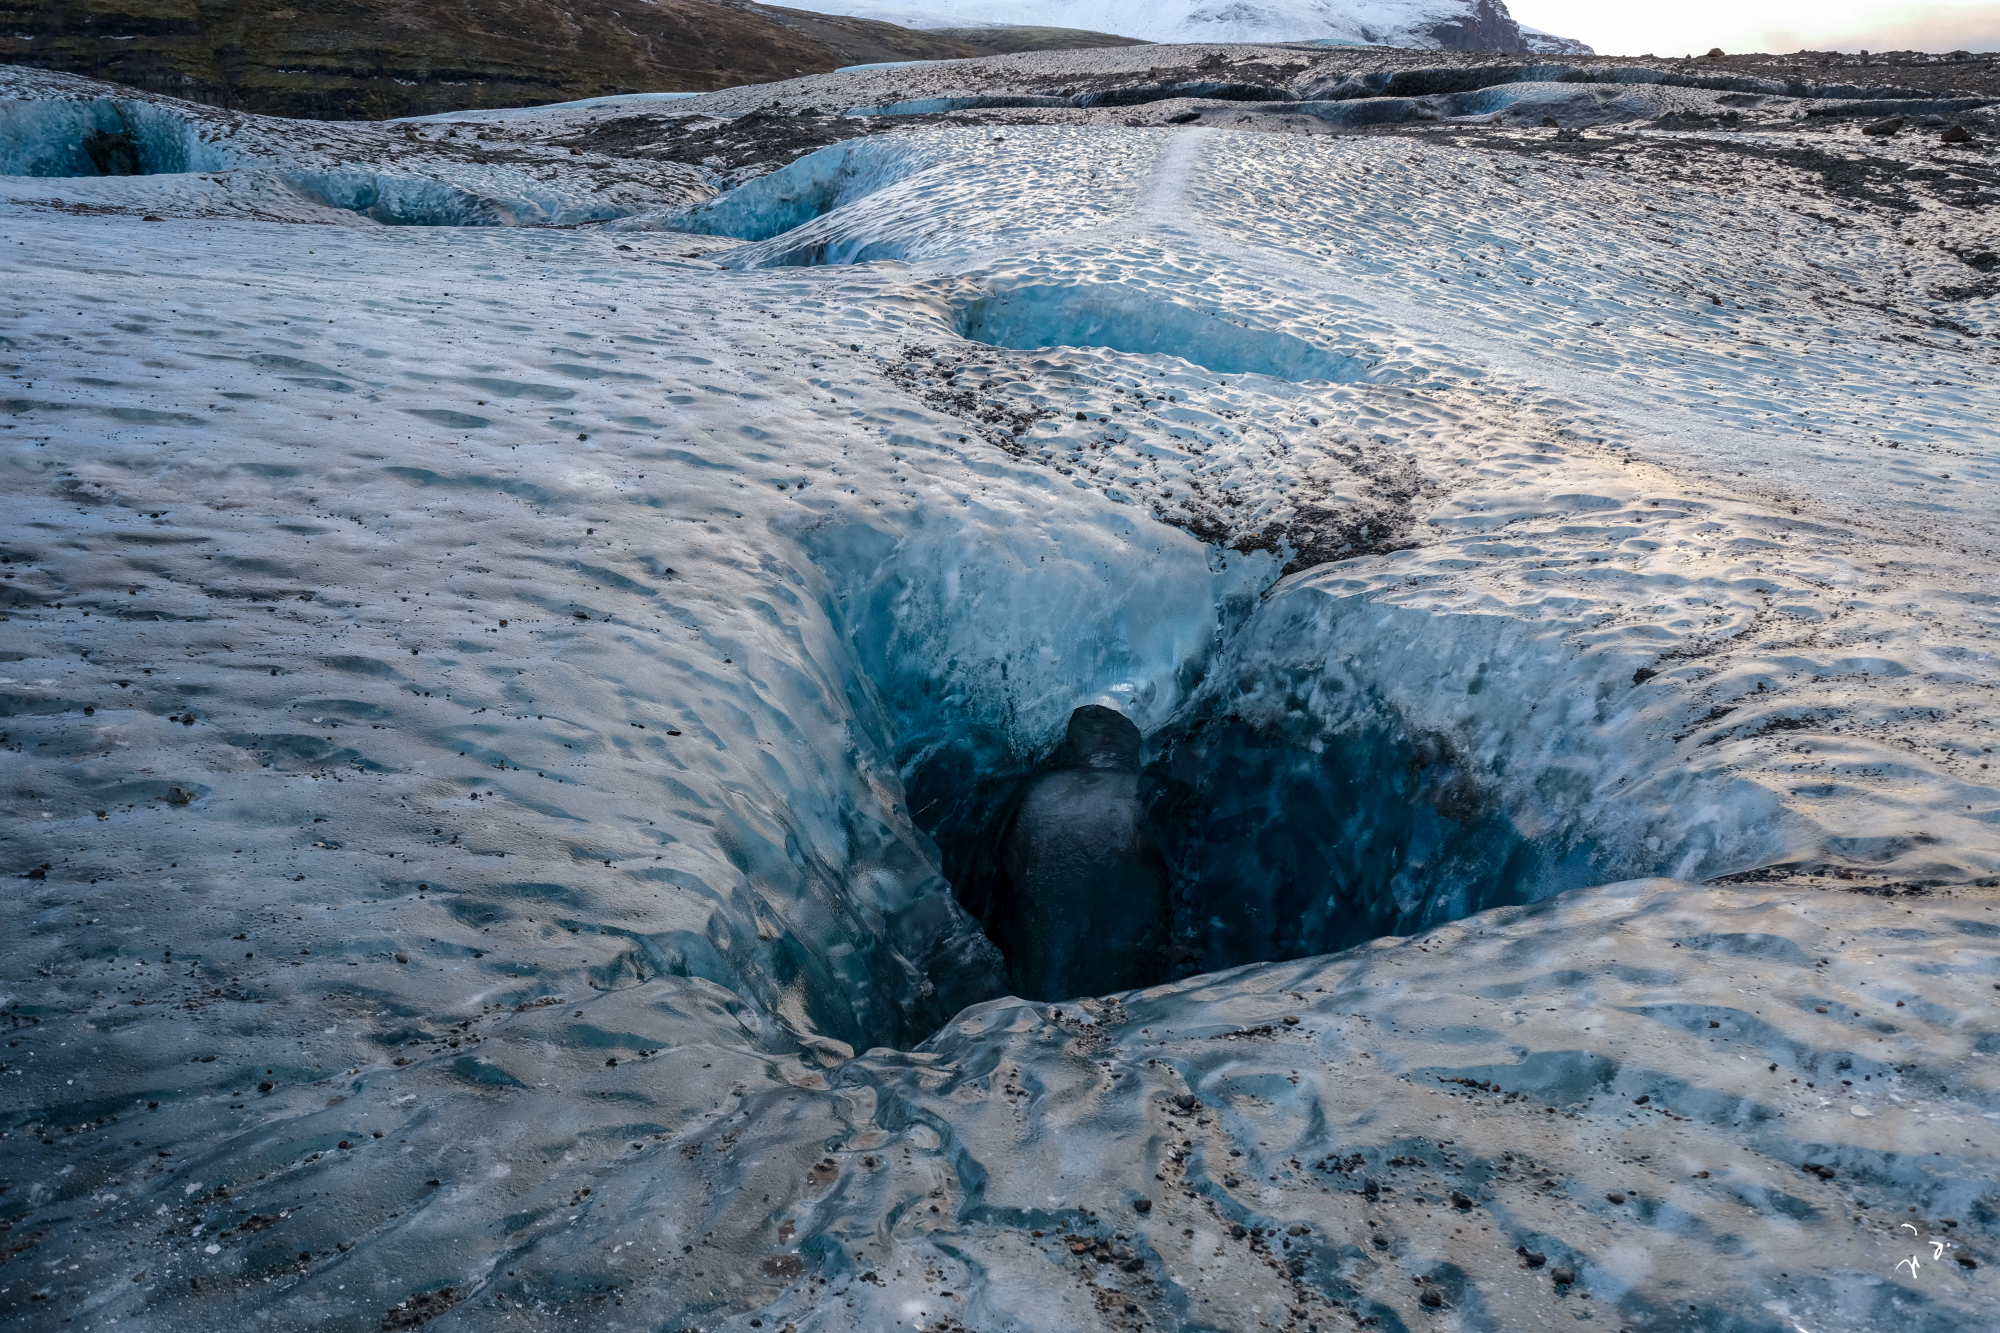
{"type": "Point", "coordinates": [1128, 319]}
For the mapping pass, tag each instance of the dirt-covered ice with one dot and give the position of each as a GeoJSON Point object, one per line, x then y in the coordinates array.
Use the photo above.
{"type": "Point", "coordinates": [491, 711]}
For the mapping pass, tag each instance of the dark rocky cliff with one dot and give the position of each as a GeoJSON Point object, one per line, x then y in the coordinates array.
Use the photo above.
{"type": "Point", "coordinates": [1488, 27]}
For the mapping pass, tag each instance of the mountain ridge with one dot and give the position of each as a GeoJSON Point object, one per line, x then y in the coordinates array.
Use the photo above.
{"type": "Point", "coordinates": [1452, 25]}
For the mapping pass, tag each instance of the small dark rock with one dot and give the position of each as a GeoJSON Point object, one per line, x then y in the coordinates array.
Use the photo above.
{"type": "Point", "coordinates": [1643, 1099]}
{"type": "Point", "coordinates": [1143, 1205]}
{"type": "Point", "coordinates": [414, 1311]}
{"type": "Point", "coordinates": [1955, 134]}
{"type": "Point", "coordinates": [1889, 126]}
{"type": "Point", "coordinates": [1532, 1258]}
{"type": "Point", "coordinates": [1459, 1201]}
{"type": "Point", "coordinates": [1614, 1197]}
{"type": "Point", "coordinates": [1431, 1297]}
{"type": "Point", "coordinates": [1563, 1275]}
{"type": "Point", "coordinates": [1184, 118]}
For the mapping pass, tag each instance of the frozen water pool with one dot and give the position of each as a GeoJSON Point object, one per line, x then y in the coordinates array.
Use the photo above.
{"type": "Point", "coordinates": [505, 844]}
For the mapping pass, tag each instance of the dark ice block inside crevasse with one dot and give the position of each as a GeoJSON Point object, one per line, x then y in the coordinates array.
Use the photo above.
{"type": "Point", "coordinates": [1083, 906]}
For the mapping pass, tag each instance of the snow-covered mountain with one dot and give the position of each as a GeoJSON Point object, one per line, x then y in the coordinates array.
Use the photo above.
{"type": "Point", "coordinates": [1548, 44]}
{"type": "Point", "coordinates": [1460, 25]}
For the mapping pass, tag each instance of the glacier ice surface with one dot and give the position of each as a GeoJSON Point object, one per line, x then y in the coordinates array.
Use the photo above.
{"type": "Point", "coordinates": [496, 716]}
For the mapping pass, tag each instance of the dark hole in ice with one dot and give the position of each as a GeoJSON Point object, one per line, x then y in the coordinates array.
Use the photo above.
{"type": "Point", "coordinates": [1128, 319]}
{"type": "Point", "coordinates": [1270, 849]}
{"type": "Point", "coordinates": [113, 154]}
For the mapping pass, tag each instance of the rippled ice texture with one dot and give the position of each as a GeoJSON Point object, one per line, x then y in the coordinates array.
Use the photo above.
{"type": "Point", "coordinates": [461, 687]}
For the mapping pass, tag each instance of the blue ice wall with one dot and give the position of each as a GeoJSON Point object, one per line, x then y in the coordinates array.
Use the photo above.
{"type": "Point", "coordinates": [101, 137]}
{"type": "Point", "coordinates": [799, 192]}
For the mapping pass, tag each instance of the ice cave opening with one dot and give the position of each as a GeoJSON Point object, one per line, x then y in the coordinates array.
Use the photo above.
{"type": "Point", "coordinates": [99, 137]}
{"type": "Point", "coordinates": [1273, 846]}
{"type": "Point", "coordinates": [1128, 319]}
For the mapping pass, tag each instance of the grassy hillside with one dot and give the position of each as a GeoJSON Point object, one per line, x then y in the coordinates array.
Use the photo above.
{"type": "Point", "coordinates": [369, 59]}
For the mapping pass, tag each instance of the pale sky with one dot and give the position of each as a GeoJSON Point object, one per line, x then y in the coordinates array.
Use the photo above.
{"type": "Point", "coordinates": [1693, 26]}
